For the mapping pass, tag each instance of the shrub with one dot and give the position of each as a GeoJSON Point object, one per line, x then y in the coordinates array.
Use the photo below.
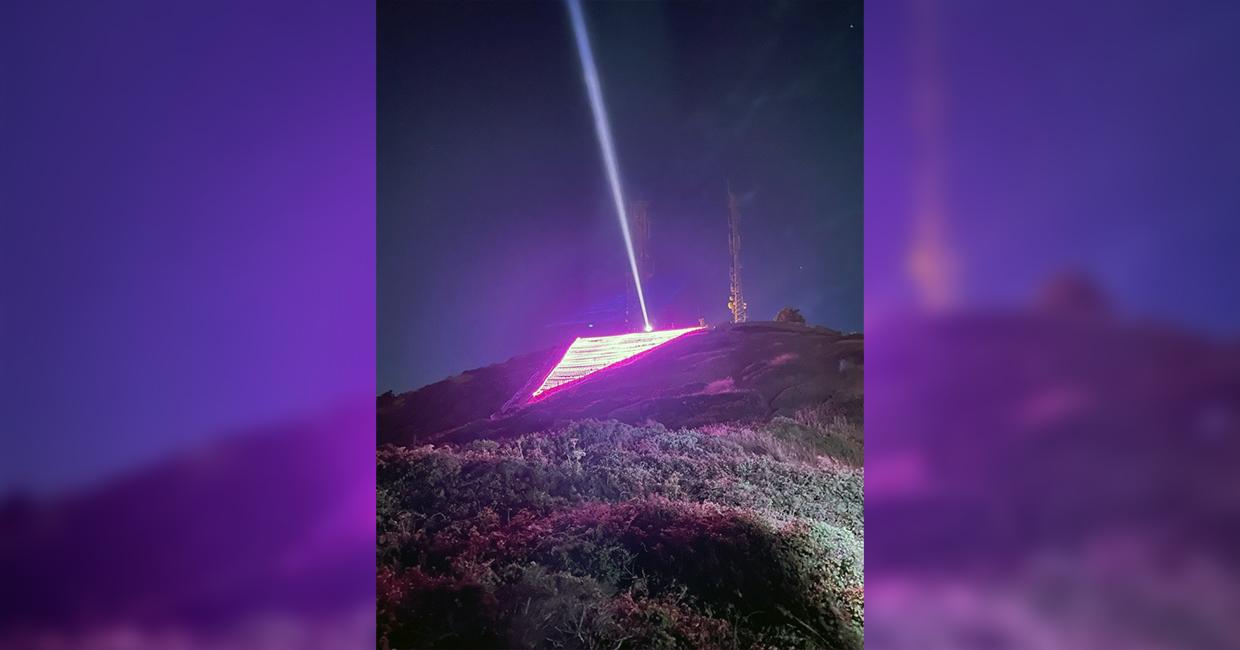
{"type": "Point", "coordinates": [543, 608]}
{"type": "Point", "coordinates": [666, 622]}
{"type": "Point", "coordinates": [789, 315]}
{"type": "Point", "coordinates": [602, 534]}
{"type": "Point", "coordinates": [416, 610]}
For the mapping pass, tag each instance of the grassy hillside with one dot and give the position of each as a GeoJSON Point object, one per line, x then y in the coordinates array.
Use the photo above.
{"type": "Point", "coordinates": [608, 535]}
{"type": "Point", "coordinates": [746, 372]}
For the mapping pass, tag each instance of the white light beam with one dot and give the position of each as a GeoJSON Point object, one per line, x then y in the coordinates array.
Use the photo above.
{"type": "Point", "coordinates": [602, 128]}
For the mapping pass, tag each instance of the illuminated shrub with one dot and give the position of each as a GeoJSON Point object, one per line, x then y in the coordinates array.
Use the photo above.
{"type": "Point", "coordinates": [601, 532]}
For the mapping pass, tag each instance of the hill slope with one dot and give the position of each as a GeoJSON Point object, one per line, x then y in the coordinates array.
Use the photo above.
{"type": "Point", "coordinates": [265, 527]}
{"type": "Point", "coordinates": [749, 372]}
{"type": "Point", "coordinates": [718, 506]}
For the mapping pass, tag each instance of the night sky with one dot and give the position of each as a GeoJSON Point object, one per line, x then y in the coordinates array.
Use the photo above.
{"type": "Point", "coordinates": [496, 233]}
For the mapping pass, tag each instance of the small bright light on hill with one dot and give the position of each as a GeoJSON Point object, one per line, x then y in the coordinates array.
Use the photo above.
{"type": "Point", "coordinates": [649, 328]}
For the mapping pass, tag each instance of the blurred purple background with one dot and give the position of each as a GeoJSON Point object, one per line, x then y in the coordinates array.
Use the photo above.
{"type": "Point", "coordinates": [188, 321]}
{"type": "Point", "coordinates": [187, 271]}
{"type": "Point", "coordinates": [1053, 404]}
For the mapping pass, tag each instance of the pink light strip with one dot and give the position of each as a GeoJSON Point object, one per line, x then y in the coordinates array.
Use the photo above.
{"type": "Point", "coordinates": [587, 356]}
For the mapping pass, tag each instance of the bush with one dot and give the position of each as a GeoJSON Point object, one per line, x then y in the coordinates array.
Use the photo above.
{"type": "Point", "coordinates": [789, 315]}
{"type": "Point", "coordinates": [602, 534]}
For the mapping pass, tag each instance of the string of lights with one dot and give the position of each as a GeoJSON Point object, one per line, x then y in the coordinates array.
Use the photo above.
{"type": "Point", "coordinates": [587, 356]}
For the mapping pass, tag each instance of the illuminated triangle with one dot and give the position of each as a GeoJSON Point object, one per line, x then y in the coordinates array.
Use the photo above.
{"type": "Point", "coordinates": [587, 356]}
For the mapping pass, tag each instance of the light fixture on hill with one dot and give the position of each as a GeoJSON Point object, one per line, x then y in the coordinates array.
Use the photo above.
{"type": "Point", "coordinates": [587, 356]}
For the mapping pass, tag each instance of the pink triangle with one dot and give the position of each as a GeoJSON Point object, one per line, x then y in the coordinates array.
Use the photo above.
{"type": "Point", "coordinates": [587, 356]}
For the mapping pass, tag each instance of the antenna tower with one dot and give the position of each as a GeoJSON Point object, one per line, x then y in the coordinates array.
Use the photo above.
{"type": "Point", "coordinates": [736, 301]}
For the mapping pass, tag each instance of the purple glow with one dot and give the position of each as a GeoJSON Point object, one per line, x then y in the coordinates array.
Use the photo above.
{"type": "Point", "coordinates": [587, 356]}
{"type": "Point", "coordinates": [207, 286]}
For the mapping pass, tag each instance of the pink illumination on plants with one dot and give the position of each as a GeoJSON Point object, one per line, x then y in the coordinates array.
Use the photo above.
{"type": "Point", "coordinates": [587, 356]}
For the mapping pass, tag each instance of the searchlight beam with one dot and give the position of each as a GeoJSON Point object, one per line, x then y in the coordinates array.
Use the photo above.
{"type": "Point", "coordinates": [602, 129]}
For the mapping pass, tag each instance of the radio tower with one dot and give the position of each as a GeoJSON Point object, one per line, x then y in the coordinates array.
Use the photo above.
{"type": "Point", "coordinates": [736, 301]}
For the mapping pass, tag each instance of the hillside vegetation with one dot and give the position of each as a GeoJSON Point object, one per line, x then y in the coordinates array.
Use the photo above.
{"type": "Point", "coordinates": [746, 372]}
{"type": "Point", "coordinates": [743, 533]}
